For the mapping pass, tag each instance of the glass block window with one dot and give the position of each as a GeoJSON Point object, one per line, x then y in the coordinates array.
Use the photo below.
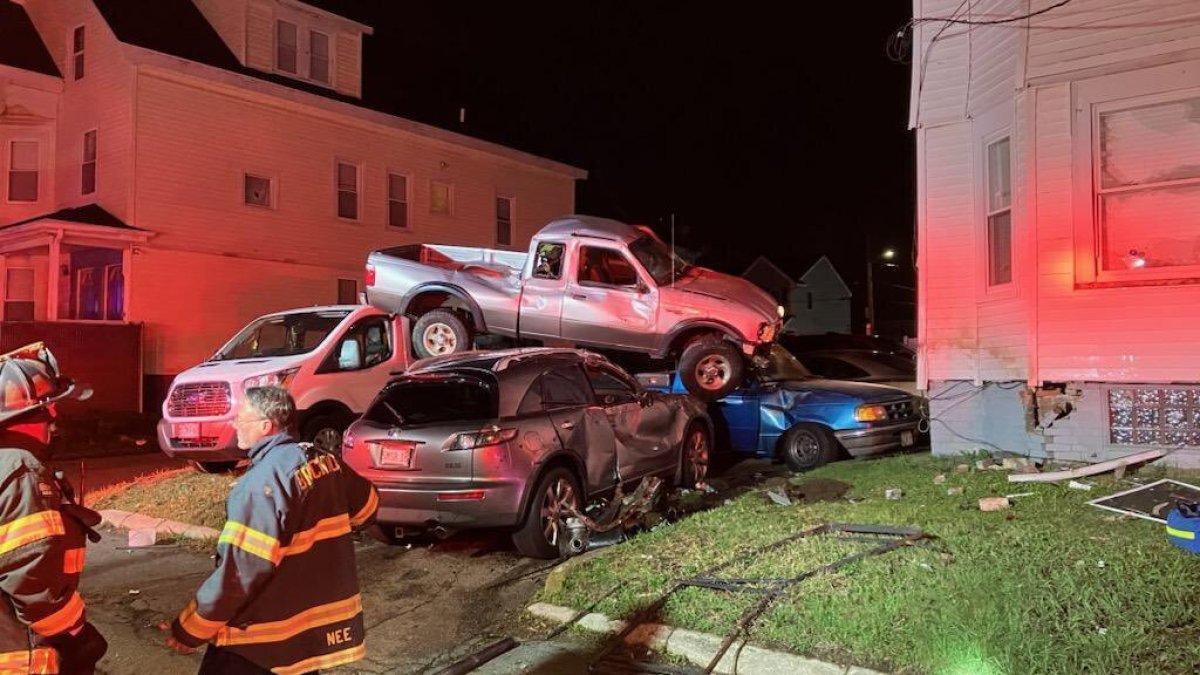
{"type": "Point", "coordinates": [1154, 416]}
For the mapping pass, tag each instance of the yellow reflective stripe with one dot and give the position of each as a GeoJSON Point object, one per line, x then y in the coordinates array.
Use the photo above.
{"type": "Point", "coordinates": [40, 661]}
{"type": "Point", "coordinates": [368, 509]}
{"type": "Point", "coordinates": [278, 631]}
{"type": "Point", "coordinates": [196, 625]}
{"type": "Point", "coordinates": [29, 529]}
{"type": "Point", "coordinates": [1182, 534]}
{"type": "Point", "coordinates": [326, 528]}
{"type": "Point", "coordinates": [320, 662]}
{"type": "Point", "coordinates": [73, 560]}
{"type": "Point", "coordinates": [251, 541]}
{"type": "Point", "coordinates": [67, 616]}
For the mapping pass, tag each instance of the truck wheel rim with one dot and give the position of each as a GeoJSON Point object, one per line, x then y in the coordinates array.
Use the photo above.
{"type": "Point", "coordinates": [556, 502]}
{"type": "Point", "coordinates": [713, 371]}
{"type": "Point", "coordinates": [697, 449]}
{"type": "Point", "coordinates": [439, 338]}
{"type": "Point", "coordinates": [328, 439]}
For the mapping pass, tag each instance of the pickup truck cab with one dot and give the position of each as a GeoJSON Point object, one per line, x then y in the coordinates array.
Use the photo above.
{"type": "Point", "coordinates": [333, 360]}
{"type": "Point", "coordinates": [585, 281]}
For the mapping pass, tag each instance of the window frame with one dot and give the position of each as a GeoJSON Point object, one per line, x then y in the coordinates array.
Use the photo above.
{"type": "Point", "coordinates": [354, 300]}
{"type": "Point", "coordinates": [988, 129]}
{"type": "Point", "coordinates": [8, 199]}
{"type": "Point", "coordinates": [78, 55]}
{"type": "Point", "coordinates": [278, 43]}
{"type": "Point", "coordinates": [510, 221]}
{"type": "Point", "coordinates": [407, 201]}
{"type": "Point", "coordinates": [358, 190]}
{"type": "Point", "coordinates": [328, 56]}
{"type": "Point", "coordinates": [449, 212]}
{"type": "Point", "coordinates": [4, 302]}
{"type": "Point", "coordinates": [95, 162]}
{"type": "Point", "coordinates": [990, 212]}
{"type": "Point", "coordinates": [271, 189]}
{"type": "Point", "coordinates": [637, 276]}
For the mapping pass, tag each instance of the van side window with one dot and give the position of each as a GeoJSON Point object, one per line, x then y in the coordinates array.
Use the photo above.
{"type": "Point", "coordinates": [374, 343]}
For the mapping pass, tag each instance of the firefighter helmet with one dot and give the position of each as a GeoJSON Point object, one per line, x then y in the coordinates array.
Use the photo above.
{"type": "Point", "coordinates": [29, 379]}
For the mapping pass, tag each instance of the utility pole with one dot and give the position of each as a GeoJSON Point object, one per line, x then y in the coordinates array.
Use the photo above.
{"type": "Point", "coordinates": [870, 289]}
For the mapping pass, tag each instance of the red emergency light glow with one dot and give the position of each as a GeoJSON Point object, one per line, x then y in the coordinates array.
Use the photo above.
{"type": "Point", "coordinates": [473, 495]}
{"type": "Point", "coordinates": [370, 276]}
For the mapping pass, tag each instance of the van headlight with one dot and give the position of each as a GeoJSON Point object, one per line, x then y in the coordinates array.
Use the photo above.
{"type": "Point", "coordinates": [280, 378]}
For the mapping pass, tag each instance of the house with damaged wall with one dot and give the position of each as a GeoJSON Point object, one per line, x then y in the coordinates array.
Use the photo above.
{"type": "Point", "coordinates": [173, 169]}
{"type": "Point", "coordinates": [1058, 153]}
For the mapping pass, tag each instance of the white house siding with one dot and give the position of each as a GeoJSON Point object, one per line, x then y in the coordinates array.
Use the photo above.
{"type": "Point", "coordinates": [102, 100]}
{"type": "Point", "coordinates": [194, 144]}
{"type": "Point", "coordinates": [260, 40]}
{"type": "Point", "coordinates": [228, 17]}
{"type": "Point", "coordinates": [28, 97]}
{"type": "Point", "coordinates": [192, 303]}
{"type": "Point", "coordinates": [347, 59]}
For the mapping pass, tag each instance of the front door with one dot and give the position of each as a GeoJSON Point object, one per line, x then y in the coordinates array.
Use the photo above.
{"type": "Point", "coordinates": [540, 310]}
{"type": "Point", "coordinates": [360, 362]}
{"type": "Point", "coordinates": [643, 434]}
{"type": "Point", "coordinates": [582, 426]}
{"type": "Point", "coordinates": [606, 303]}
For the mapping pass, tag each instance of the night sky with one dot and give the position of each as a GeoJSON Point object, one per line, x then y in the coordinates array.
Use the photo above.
{"type": "Point", "coordinates": [763, 134]}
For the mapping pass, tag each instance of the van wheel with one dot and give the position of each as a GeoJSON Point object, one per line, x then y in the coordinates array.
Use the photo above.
{"type": "Point", "coordinates": [546, 514]}
{"type": "Point", "coordinates": [807, 446]}
{"type": "Point", "coordinates": [215, 467]}
{"type": "Point", "coordinates": [325, 432]}
{"type": "Point", "coordinates": [438, 333]}
{"type": "Point", "coordinates": [711, 368]}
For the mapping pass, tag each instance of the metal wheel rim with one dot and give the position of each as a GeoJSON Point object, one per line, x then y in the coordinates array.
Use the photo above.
{"type": "Point", "coordinates": [805, 448]}
{"type": "Point", "coordinates": [328, 439]}
{"type": "Point", "coordinates": [555, 499]}
{"type": "Point", "coordinates": [713, 371]}
{"type": "Point", "coordinates": [439, 339]}
{"type": "Point", "coordinates": [697, 456]}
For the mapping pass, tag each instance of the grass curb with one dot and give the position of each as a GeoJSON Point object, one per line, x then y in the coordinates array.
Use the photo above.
{"type": "Point", "coordinates": [137, 521]}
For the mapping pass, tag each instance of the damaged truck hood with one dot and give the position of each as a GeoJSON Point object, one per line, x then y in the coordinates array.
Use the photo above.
{"type": "Point", "coordinates": [708, 283]}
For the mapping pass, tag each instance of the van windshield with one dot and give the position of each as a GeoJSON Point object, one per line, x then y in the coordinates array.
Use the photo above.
{"type": "Point", "coordinates": [282, 335]}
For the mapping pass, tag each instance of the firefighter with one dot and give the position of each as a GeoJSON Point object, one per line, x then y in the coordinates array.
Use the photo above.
{"type": "Point", "coordinates": [284, 597]}
{"type": "Point", "coordinates": [43, 628]}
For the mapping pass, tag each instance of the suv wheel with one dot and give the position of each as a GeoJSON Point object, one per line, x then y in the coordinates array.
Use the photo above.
{"type": "Point", "coordinates": [694, 457]}
{"type": "Point", "coordinates": [545, 517]}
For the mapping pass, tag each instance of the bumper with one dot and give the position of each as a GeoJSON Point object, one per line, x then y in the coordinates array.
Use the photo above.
{"type": "Point", "coordinates": [213, 441]}
{"type": "Point", "coordinates": [866, 442]}
{"type": "Point", "coordinates": [427, 505]}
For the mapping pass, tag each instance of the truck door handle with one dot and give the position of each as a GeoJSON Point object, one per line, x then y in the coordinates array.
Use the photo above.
{"type": "Point", "coordinates": [579, 296]}
{"type": "Point", "coordinates": [568, 425]}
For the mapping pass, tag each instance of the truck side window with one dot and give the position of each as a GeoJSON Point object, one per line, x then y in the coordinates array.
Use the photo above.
{"type": "Point", "coordinates": [605, 267]}
{"type": "Point", "coordinates": [548, 261]}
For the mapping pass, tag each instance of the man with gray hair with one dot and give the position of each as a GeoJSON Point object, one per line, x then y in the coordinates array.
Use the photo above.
{"type": "Point", "coordinates": [289, 524]}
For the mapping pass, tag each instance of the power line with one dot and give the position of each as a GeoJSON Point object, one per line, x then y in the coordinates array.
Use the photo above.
{"type": "Point", "coordinates": [990, 22]}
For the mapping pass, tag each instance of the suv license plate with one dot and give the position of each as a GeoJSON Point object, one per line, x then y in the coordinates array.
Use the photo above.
{"type": "Point", "coordinates": [396, 456]}
{"type": "Point", "coordinates": [188, 430]}
{"type": "Point", "coordinates": [906, 438]}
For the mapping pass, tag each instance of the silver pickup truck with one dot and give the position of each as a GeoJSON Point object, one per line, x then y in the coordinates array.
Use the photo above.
{"type": "Point", "coordinates": [586, 281]}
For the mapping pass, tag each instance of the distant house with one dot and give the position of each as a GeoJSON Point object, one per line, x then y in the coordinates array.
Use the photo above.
{"type": "Point", "coordinates": [818, 303]}
{"type": "Point", "coordinates": [1058, 198]}
{"type": "Point", "coordinates": [183, 166]}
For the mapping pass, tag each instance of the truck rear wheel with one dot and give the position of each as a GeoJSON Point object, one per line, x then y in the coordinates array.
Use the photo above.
{"type": "Point", "coordinates": [438, 333]}
{"type": "Point", "coordinates": [711, 368]}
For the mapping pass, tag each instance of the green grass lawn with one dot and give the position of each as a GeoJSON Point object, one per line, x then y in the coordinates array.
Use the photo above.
{"type": "Point", "coordinates": [188, 497]}
{"type": "Point", "coordinates": [1049, 586]}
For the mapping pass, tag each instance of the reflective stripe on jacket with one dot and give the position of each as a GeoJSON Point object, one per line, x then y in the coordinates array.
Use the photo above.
{"type": "Point", "coordinates": [289, 525]}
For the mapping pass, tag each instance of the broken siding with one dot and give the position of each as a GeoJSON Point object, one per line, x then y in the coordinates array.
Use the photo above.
{"type": "Point", "coordinates": [1108, 34]}
{"type": "Point", "coordinates": [194, 145]}
{"type": "Point", "coordinates": [228, 17]}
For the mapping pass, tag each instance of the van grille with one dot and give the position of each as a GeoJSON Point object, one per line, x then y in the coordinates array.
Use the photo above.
{"type": "Point", "coordinates": [200, 399]}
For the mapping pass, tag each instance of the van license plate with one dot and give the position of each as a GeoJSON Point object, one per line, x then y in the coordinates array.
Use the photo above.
{"type": "Point", "coordinates": [906, 438]}
{"type": "Point", "coordinates": [189, 430]}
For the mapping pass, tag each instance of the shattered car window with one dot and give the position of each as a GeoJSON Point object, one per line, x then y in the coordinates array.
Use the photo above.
{"type": "Point", "coordinates": [413, 402]}
{"type": "Point", "coordinates": [656, 259]}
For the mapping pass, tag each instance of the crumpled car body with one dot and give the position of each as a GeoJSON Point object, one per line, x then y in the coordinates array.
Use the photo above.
{"type": "Point", "coordinates": [459, 441]}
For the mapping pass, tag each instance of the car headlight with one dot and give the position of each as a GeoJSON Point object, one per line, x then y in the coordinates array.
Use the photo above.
{"type": "Point", "coordinates": [280, 378]}
{"type": "Point", "coordinates": [781, 311]}
{"type": "Point", "coordinates": [870, 413]}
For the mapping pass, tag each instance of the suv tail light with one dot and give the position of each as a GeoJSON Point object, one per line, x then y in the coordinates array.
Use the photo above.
{"type": "Point", "coordinates": [480, 439]}
{"type": "Point", "coordinates": [369, 277]}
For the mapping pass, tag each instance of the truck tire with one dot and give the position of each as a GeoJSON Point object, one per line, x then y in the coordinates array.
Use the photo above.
{"type": "Point", "coordinates": [438, 333]}
{"type": "Point", "coordinates": [711, 368]}
{"type": "Point", "coordinates": [807, 446]}
{"type": "Point", "coordinates": [325, 431]}
{"type": "Point", "coordinates": [543, 525]}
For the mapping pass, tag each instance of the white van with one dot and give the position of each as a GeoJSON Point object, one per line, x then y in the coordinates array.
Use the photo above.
{"type": "Point", "coordinates": [332, 359]}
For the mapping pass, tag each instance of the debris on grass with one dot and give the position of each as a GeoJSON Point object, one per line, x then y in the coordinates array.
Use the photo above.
{"type": "Point", "coordinates": [1150, 502]}
{"type": "Point", "coordinates": [779, 498]}
{"type": "Point", "coordinates": [142, 538]}
{"type": "Point", "coordinates": [893, 493]}
{"type": "Point", "coordinates": [954, 491]}
{"type": "Point", "coordinates": [1076, 485]}
{"type": "Point", "coordinates": [962, 468]}
{"type": "Point", "coordinates": [939, 479]}
{"type": "Point", "coordinates": [993, 503]}
{"type": "Point", "coordinates": [1128, 462]}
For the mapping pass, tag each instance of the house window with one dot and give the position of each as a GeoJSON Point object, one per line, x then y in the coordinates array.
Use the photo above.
{"type": "Point", "coordinates": [347, 290]}
{"type": "Point", "coordinates": [23, 171]}
{"type": "Point", "coordinates": [397, 200]}
{"type": "Point", "coordinates": [441, 196]}
{"type": "Point", "coordinates": [286, 46]}
{"type": "Point", "coordinates": [504, 220]}
{"type": "Point", "coordinates": [77, 40]}
{"type": "Point", "coordinates": [18, 294]}
{"type": "Point", "coordinates": [1148, 186]}
{"type": "Point", "coordinates": [999, 213]}
{"type": "Point", "coordinates": [88, 177]}
{"type": "Point", "coordinates": [318, 56]}
{"type": "Point", "coordinates": [347, 190]}
{"type": "Point", "coordinates": [98, 284]}
{"type": "Point", "coordinates": [1154, 416]}
{"type": "Point", "coordinates": [257, 190]}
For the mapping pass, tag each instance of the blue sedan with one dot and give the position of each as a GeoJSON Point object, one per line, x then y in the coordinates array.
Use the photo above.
{"type": "Point", "coordinates": [784, 411]}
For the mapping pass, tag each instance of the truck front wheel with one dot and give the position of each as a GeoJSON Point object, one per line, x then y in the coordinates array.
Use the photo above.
{"type": "Point", "coordinates": [711, 368]}
{"type": "Point", "coordinates": [438, 333]}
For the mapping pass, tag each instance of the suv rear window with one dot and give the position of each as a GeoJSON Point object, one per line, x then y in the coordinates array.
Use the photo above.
{"type": "Point", "coordinates": [410, 402]}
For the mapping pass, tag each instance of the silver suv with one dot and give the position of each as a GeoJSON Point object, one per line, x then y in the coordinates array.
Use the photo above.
{"type": "Point", "coordinates": [513, 438]}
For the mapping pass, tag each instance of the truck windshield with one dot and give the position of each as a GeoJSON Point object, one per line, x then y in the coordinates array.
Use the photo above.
{"type": "Point", "coordinates": [282, 335]}
{"type": "Point", "coordinates": [417, 400]}
{"type": "Point", "coordinates": [782, 366]}
{"type": "Point", "coordinates": [656, 259]}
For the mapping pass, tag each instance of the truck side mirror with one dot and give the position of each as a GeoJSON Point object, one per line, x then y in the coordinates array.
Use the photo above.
{"type": "Point", "coordinates": [350, 357]}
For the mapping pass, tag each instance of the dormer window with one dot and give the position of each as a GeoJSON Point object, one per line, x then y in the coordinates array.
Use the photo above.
{"type": "Point", "coordinates": [303, 52]}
